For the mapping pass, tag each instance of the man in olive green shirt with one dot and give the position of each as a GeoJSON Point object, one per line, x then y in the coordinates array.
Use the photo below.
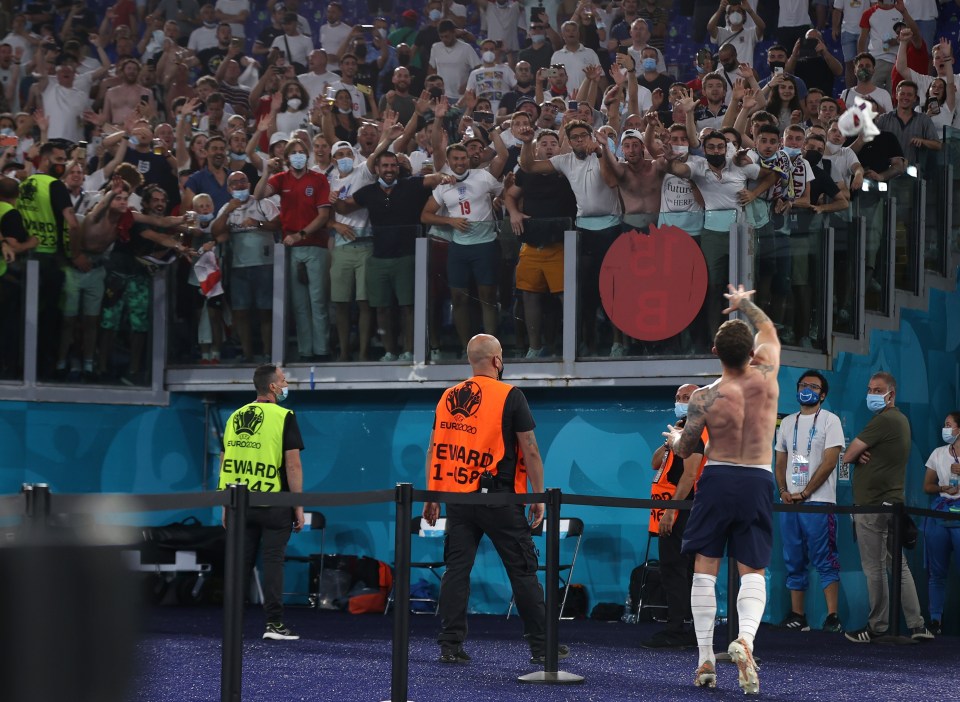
{"type": "Point", "coordinates": [881, 452]}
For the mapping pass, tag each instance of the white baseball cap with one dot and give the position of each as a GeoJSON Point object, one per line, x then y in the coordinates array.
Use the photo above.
{"type": "Point", "coordinates": [277, 137]}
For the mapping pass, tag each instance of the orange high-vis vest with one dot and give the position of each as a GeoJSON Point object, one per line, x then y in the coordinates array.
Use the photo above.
{"type": "Point", "coordinates": [663, 489]}
{"type": "Point", "coordinates": [468, 437]}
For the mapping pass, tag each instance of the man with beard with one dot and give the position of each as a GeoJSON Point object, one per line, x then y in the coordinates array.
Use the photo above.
{"type": "Point", "coordinates": [121, 100]}
{"type": "Point", "coordinates": [524, 88]}
{"type": "Point", "coordinates": [594, 182]}
{"type": "Point", "coordinates": [399, 99]}
{"type": "Point", "coordinates": [47, 213]}
{"type": "Point", "coordinates": [474, 251]}
{"type": "Point", "coordinates": [639, 182]}
{"type": "Point", "coordinates": [539, 224]}
{"type": "Point", "coordinates": [156, 169]}
{"type": "Point", "coordinates": [210, 58]}
{"type": "Point", "coordinates": [395, 206]}
{"type": "Point", "coordinates": [212, 178]}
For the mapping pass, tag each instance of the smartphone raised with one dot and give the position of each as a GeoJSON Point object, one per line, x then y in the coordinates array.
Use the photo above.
{"type": "Point", "coordinates": [8, 140]}
{"type": "Point", "coordinates": [573, 105]}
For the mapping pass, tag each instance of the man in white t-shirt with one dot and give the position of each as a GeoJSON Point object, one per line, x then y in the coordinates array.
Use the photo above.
{"type": "Point", "coordinates": [502, 19]}
{"type": "Point", "coordinates": [744, 28]}
{"type": "Point", "coordinates": [474, 251]}
{"type": "Point", "coordinates": [808, 448]}
{"type": "Point", "coordinates": [235, 12]}
{"type": "Point", "coordinates": [878, 37]}
{"type": "Point", "coordinates": [353, 246]}
{"type": "Point", "coordinates": [319, 77]}
{"type": "Point", "coordinates": [204, 37]}
{"type": "Point", "coordinates": [295, 45]}
{"type": "Point", "coordinates": [846, 28]}
{"type": "Point", "coordinates": [574, 56]}
{"type": "Point", "coordinates": [491, 80]}
{"type": "Point", "coordinates": [64, 101]}
{"type": "Point", "coordinates": [865, 68]}
{"type": "Point", "coordinates": [333, 34]}
{"type": "Point", "coordinates": [452, 59]}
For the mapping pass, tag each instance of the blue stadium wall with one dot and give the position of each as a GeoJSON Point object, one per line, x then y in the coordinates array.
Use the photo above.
{"type": "Point", "coordinates": [594, 441]}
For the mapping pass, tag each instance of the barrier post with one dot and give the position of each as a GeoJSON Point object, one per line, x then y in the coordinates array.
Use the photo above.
{"type": "Point", "coordinates": [550, 674]}
{"type": "Point", "coordinates": [37, 506]}
{"type": "Point", "coordinates": [896, 546]}
{"type": "Point", "coordinates": [232, 662]}
{"type": "Point", "coordinates": [399, 674]}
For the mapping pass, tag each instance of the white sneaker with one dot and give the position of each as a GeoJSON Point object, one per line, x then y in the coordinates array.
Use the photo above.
{"type": "Point", "coordinates": [617, 350]}
{"type": "Point", "coordinates": [388, 357]}
{"type": "Point", "coordinates": [435, 355]}
{"type": "Point", "coordinates": [405, 356]}
{"type": "Point", "coordinates": [533, 353]}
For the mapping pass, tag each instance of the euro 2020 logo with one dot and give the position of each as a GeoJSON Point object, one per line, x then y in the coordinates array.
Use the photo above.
{"type": "Point", "coordinates": [248, 421]}
{"type": "Point", "coordinates": [464, 400]}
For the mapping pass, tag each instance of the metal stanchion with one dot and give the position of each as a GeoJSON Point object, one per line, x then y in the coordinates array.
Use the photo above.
{"type": "Point", "coordinates": [232, 663]}
{"type": "Point", "coordinates": [37, 507]}
{"type": "Point", "coordinates": [550, 674]}
{"type": "Point", "coordinates": [399, 676]}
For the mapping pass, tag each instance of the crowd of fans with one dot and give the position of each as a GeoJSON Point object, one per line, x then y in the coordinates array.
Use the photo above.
{"type": "Point", "coordinates": [167, 135]}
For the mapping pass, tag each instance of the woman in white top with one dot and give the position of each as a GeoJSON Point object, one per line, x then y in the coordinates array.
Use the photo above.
{"type": "Point", "coordinates": [942, 536]}
{"type": "Point", "coordinates": [939, 104]}
{"type": "Point", "coordinates": [294, 107]}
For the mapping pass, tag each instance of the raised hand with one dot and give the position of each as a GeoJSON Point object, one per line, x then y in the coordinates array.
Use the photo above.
{"type": "Point", "coordinates": [736, 296]}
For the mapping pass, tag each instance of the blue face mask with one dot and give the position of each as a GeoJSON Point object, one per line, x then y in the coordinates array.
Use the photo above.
{"type": "Point", "coordinates": [537, 38]}
{"type": "Point", "coordinates": [808, 397]}
{"type": "Point", "coordinates": [282, 395]}
{"type": "Point", "coordinates": [875, 403]}
{"type": "Point", "coordinates": [241, 195]}
{"type": "Point", "coordinates": [385, 183]}
{"type": "Point", "coordinates": [435, 15]}
{"type": "Point", "coordinates": [680, 409]}
{"type": "Point", "coordinates": [345, 164]}
{"type": "Point", "coordinates": [238, 157]}
{"type": "Point", "coordinates": [791, 151]}
{"type": "Point", "coordinates": [947, 435]}
{"type": "Point", "coordinates": [649, 65]}
{"type": "Point", "coordinates": [134, 141]}
{"type": "Point", "coordinates": [298, 161]}
{"type": "Point", "coordinates": [6, 131]}
{"type": "Point", "coordinates": [205, 218]}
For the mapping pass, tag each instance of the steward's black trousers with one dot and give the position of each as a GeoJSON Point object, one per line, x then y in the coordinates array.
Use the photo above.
{"type": "Point", "coordinates": [507, 527]}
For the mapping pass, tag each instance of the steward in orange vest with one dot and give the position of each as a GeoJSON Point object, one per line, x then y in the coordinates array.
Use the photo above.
{"type": "Point", "coordinates": [668, 476]}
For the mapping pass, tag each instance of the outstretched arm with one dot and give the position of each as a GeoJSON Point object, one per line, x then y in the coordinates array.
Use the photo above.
{"type": "Point", "coordinates": [766, 346]}
{"type": "Point", "coordinates": [684, 441]}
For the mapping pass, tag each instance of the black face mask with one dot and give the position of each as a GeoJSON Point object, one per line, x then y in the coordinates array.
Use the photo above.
{"type": "Point", "coordinates": [717, 160]}
{"type": "Point", "coordinates": [730, 66]}
{"type": "Point", "coordinates": [813, 157]}
{"type": "Point", "coordinates": [777, 64]}
{"type": "Point", "coordinates": [524, 83]}
{"type": "Point", "coordinates": [57, 170]}
{"type": "Point", "coordinates": [500, 371]}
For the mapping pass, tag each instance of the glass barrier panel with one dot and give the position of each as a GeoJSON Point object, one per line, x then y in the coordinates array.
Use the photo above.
{"type": "Point", "coordinates": [13, 282]}
{"type": "Point", "coordinates": [372, 290]}
{"type": "Point", "coordinates": [935, 180]}
{"type": "Point", "coordinates": [644, 286]}
{"type": "Point", "coordinates": [873, 205]}
{"type": "Point", "coordinates": [807, 301]}
{"type": "Point", "coordinates": [906, 237]}
{"type": "Point", "coordinates": [952, 181]}
{"type": "Point", "coordinates": [310, 285]}
{"type": "Point", "coordinates": [846, 233]}
{"type": "Point", "coordinates": [532, 285]}
{"type": "Point", "coordinates": [195, 326]}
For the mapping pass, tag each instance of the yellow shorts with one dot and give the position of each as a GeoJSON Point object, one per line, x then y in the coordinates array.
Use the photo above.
{"type": "Point", "coordinates": [540, 270]}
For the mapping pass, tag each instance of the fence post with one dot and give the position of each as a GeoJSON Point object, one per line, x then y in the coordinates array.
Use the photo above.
{"type": "Point", "coordinates": [37, 508]}
{"type": "Point", "coordinates": [399, 676]}
{"type": "Point", "coordinates": [232, 662]}
{"type": "Point", "coordinates": [896, 546]}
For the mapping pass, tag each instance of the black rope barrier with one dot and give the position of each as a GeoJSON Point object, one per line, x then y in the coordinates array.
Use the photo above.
{"type": "Point", "coordinates": [35, 504]}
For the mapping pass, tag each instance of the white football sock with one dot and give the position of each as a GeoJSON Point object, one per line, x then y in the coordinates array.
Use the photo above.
{"type": "Point", "coordinates": [703, 604]}
{"type": "Point", "coordinates": [750, 603]}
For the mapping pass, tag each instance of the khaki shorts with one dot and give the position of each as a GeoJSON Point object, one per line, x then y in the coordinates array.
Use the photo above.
{"type": "Point", "coordinates": [540, 270]}
{"type": "Point", "coordinates": [388, 278]}
{"type": "Point", "coordinates": [348, 271]}
{"type": "Point", "coordinates": [87, 287]}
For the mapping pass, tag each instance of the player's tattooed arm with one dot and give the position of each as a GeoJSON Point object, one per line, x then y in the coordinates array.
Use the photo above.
{"type": "Point", "coordinates": [755, 315]}
{"type": "Point", "coordinates": [700, 403]}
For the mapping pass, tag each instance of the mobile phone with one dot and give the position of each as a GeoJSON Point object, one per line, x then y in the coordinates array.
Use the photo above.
{"type": "Point", "coordinates": [144, 99]}
{"type": "Point", "coordinates": [436, 93]}
{"type": "Point", "coordinates": [81, 151]}
{"type": "Point", "coordinates": [367, 27]}
{"type": "Point", "coordinates": [8, 140]}
{"type": "Point", "coordinates": [933, 105]}
{"type": "Point", "coordinates": [621, 49]}
{"type": "Point", "coordinates": [483, 116]}
{"type": "Point", "coordinates": [550, 72]}
{"type": "Point", "coordinates": [573, 105]}
{"type": "Point", "coordinates": [778, 70]}
{"type": "Point", "coordinates": [237, 42]}
{"type": "Point", "coordinates": [809, 45]}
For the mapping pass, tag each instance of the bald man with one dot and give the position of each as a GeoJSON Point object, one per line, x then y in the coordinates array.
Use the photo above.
{"type": "Point", "coordinates": [674, 480]}
{"type": "Point", "coordinates": [483, 441]}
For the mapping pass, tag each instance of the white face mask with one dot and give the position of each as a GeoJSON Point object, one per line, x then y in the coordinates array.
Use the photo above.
{"type": "Point", "coordinates": [735, 17]}
{"type": "Point", "coordinates": [294, 103]}
{"type": "Point", "coordinates": [680, 149]}
{"type": "Point", "coordinates": [830, 149]}
{"type": "Point", "coordinates": [488, 57]}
